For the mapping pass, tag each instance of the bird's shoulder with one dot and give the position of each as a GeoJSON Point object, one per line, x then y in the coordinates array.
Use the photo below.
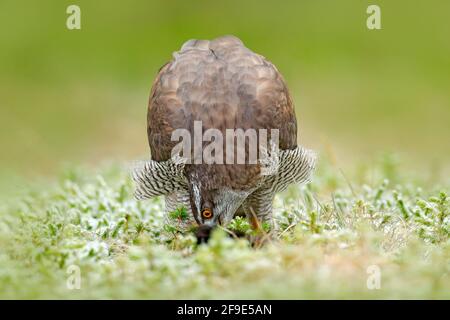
{"type": "Point", "coordinates": [223, 84]}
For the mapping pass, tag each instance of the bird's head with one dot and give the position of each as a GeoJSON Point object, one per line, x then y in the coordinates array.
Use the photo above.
{"type": "Point", "coordinates": [211, 205]}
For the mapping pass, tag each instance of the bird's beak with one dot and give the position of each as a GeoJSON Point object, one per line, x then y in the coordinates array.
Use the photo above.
{"type": "Point", "coordinates": [203, 233]}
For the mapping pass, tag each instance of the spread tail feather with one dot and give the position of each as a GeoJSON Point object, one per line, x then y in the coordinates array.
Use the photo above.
{"type": "Point", "coordinates": [155, 178]}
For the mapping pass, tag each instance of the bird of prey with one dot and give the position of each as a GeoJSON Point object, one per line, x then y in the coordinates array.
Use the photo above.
{"type": "Point", "coordinates": [224, 85]}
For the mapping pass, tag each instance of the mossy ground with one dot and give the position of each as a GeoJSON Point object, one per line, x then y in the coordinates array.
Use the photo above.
{"type": "Point", "coordinates": [329, 238]}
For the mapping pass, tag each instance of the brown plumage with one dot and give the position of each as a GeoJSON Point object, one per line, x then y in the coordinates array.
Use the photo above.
{"type": "Point", "coordinates": [226, 86]}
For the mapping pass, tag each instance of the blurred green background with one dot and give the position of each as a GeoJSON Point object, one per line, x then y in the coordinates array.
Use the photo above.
{"type": "Point", "coordinates": [80, 96]}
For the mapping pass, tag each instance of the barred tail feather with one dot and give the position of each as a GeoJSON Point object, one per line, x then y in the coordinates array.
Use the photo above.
{"type": "Point", "coordinates": [295, 166]}
{"type": "Point", "coordinates": [153, 178]}
{"type": "Point", "coordinates": [298, 165]}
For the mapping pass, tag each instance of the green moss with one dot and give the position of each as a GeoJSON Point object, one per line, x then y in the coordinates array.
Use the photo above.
{"type": "Point", "coordinates": [323, 240]}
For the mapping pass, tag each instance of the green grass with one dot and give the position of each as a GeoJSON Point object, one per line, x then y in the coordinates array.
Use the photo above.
{"type": "Point", "coordinates": [328, 234]}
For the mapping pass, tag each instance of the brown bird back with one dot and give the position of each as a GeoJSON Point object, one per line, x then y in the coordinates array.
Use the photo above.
{"type": "Point", "coordinates": [226, 86]}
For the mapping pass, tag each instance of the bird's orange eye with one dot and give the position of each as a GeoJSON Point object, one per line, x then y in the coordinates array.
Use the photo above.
{"type": "Point", "coordinates": [206, 213]}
